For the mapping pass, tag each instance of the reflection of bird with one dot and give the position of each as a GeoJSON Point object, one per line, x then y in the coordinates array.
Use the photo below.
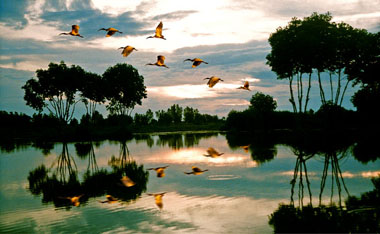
{"type": "Point", "coordinates": [245, 148]}
{"type": "Point", "coordinates": [127, 50]}
{"type": "Point", "coordinates": [196, 171]}
{"type": "Point", "coordinates": [212, 81]}
{"type": "Point", "coordinates": [160, 171]}
{"type": "Point", "coordinates": [196, 61]}
{"type": "Point", "coordinates": [74, 200]}
{"type": "Point", "coordinates": [110, 31]}
{"type": "Point", "coordinates": [110, 199]}
{"type": "Point", "coordinates": [74, 31]}
{"type": "Point", "coordinates": [158, 198]}
{"type": "Point", "coordinates": [246, 86]}
{"type": "Point", "coordinates": [158, 33]}
{"type": "Point", "coordinates": [127, 182]}
{"type": "Point", "coordinates": [212, 153]}
{"type": "Point", "coordinates": [160, 61]}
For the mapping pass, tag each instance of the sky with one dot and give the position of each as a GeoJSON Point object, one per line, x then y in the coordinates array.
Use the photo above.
{"type": "Point", "coordinates": [231, 35]}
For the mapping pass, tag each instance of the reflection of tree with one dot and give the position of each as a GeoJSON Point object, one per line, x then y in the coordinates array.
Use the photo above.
{"type": "Point", "coordinates": [362, 214]}
{"type": "Point", "coordinates": [192, 139]}
{"type": "Point", "coordinates": [86, 150]}
{"type": "Point", "coordinates": [301, 170]}
{"type": "Point", "coordinates": [145, 137]}
{"type": "Point", "coordinates": [59, 184]}
{"type": "Point", "coordinates": [174, 141]}
{"type": "Point", "coordinates": [366, 149]}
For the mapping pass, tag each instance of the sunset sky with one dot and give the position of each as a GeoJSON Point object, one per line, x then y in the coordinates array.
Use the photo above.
{"type": "Point", "coordinates": [231, 35]}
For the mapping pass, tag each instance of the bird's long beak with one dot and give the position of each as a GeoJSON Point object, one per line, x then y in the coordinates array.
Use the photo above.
{"type": "Point", "coordinates": [206, 78]}
{"type": "Point", "coordinates": [120, 48]}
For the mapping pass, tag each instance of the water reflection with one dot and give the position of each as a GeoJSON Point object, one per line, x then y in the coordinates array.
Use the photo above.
{"type": "Point", "coordinates": [60, 184]}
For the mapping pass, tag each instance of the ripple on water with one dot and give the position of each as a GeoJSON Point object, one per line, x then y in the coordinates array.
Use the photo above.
{"type": "Point", "coordinates": [223, 177]}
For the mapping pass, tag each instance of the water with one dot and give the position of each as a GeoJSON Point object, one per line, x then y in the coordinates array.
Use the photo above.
{"type": "Point", "coordinates": [237, 194]}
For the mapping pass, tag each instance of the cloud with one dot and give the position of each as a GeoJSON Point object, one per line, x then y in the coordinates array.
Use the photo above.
{"type": "Point", "coordinates": [176, 15]}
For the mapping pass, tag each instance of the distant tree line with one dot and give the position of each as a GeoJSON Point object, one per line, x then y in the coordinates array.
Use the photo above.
{"type": "Point", "coordinates": [314, 44]}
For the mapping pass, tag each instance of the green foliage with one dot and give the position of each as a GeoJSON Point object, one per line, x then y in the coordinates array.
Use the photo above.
{"type": "Point", "coordinates": [124, 88]}
{"type": "Point", "coordinates": [262, 103]}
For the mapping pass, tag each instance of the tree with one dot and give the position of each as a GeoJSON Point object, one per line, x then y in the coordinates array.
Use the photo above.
{"type": "Point", "coordinates": [124, 88]}
{"type": "Point", "coordinates": [54, 89]}
{"type": "Point", "coordinates": [92, 91]}
{"type": "Point", "coordinates": [262, 103]}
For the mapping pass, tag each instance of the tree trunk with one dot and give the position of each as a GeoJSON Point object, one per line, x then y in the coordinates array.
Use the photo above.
{"type": "Point", "coordinates": [308, 93]}
{"type": "Point", "coordinates": [322, 93]}
{"type": "Point", "coordinates": [331, 88]}
{"type": "Point", "coordinates": [291, 94]}
{"type": "Point", "coordinates": [344, 91]}
{"type": "Point", "coordinates": [338, 88]}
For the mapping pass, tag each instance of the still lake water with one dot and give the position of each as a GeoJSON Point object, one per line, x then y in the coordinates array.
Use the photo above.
{"type": "Point", "coordinates": [237, 194]}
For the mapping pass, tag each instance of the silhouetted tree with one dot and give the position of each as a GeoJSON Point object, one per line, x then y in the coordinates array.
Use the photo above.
{"type": "Point", "coordinates": [55, 89]}
{"type": "Point", "coordinates": [124, 88]}
{"type": "Point", "coordinates": [262, 103]}
{"type": "Point", "coordinates": [92, 92]}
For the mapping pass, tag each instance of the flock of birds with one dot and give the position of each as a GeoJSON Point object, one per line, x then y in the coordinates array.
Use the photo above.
{"type": "Point", "coordinates": [160, 173]}
{"type": "Point", "coordinates": [127, 50]}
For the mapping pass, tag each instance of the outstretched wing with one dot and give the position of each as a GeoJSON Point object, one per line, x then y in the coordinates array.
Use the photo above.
{"type": "Point", "coordinates": [160, 60]}
{"type": "Point", "coordinates": [75, 29]}
{"type": "Point", "coordinates": [246, 85]}
{"type": "Point", "coordinates": [127, 50]}
{"type": "Point", "coordinates": [159, 29]}
{"type": "Point", "coordinates": [110, 33]}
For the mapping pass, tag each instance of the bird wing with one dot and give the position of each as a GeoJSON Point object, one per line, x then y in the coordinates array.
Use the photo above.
{"type": "Point", "coordinates": [196, 169]}
{"type": "Point", "coordinates": [196, 63]}
{"type": "Point", "coordinates": [75, 29]}
{"type": "Point", "coordinates": [211, 151]}
{"type": "Point", "coordinates": [213, 81]}
{"type": "Point", "coordinates": [127, 181]}
{"type": "Point", "coordinates": [159, 30]}
{"type": "Point", "coordinates": [127, 50]}
{"type": "Point", "coordinates": [246, 84]}
{"type": "Point", "coordinates": [160, 59]}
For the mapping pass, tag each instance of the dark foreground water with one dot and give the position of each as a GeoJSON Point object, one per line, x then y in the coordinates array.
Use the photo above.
{"type": "Point", "coordinates": [59, 187]}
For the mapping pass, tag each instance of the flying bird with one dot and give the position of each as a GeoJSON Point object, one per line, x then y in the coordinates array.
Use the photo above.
{"type": "Point", "coordinates": [196, 61]}
{"type": "Point", "coordinates": [127, 50]}
{"type": "Point", "coordinates": [110, 31]}
{"type": "Point", "coordinates": [110, 199]}
{"type": "Point", "coordinates": [245, 87]}
{"type": "Point", "coordinates": [212, 81]}
{"type": "Point", "coordinates": [74, 31]}
{"type": "Point", "coordinates": [213, 153]}
{"type": "Point", "coordinates": [158, 33]}
{"type": "Point", "coordinates": [160, 171]}
{"type": "Point", "coordinates": [160, 61]}
{"type": "Point", "coordinates": [196, 171]}
{"type": "Point", "coordinates": [74, 200]}
{"type": "Point", "coordinates": [158, 198]}
{"type": "Point", "coordinates": [127, 182]}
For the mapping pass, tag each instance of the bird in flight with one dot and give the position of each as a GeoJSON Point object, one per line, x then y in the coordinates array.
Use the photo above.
{"type": "Point", "coordinates": [160, 171]}
{"type": "Point", "coordinates": [127, 182]}
{"type": "Point", "coordinates": [196, 171]}
{"type": "Point", "coordinates": [158, 199]}
{"type": "Point", "coordinates": [127, 50]}
{"type": "Point", "coordinates": [74, 200]}
{"type": "Point", "coordinates": [74, 31]}
{"type": "Point", "coordinates": [212, 81]}
{"type": "Point", "coordinates": [211, 152]}
{"type": "Point", "coordinates": [158, 33]}
{"type": "Point", "coordinates": [110, 31]}
{"type": "Point", "coordinates": [196, 61]}
{"type": "Point", "coordinates": [160, 61]}
{"type": "Point", "coordinates": [246, 86]}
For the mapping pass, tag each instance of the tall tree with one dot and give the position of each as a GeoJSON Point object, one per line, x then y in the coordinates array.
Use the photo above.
{"type": "Point", "coordinates": [55, 89]}
{"type": "Point", "coordinates": [124, 88]}
{"type": "Point", "coordinates": [262, 103]}
{"type": "Point", "coordinates": [92, 91]}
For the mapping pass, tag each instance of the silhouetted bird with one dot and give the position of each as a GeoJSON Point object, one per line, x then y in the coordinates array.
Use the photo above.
{"type": "Point", "coordinates": [245, 87]}
{"type": "Point", "coordinates": [212, 81]}
{"type": "Point", "coordinates": [127, 182]}
{"type": "Point", "coordinates": [127, 50]}
{"type": "Point", "coordinates": [160, 171]}
{"type": "Point", "coordinates": [196, 171]}
{"type": "Point", "coordinates": [213, 153]}
{"type": "Point", "coordinates": [245, 147]}
{"type": "Point", "coordinates": [74, 31]}
{"type": "Point", "coordinates": [74, 200]}
{"type": "Point", "coordinates": [158, 198]}
{"type": "Point", "coordinates": [110, 31]}
{"type": "Point", "coordinates": [160, 62]}
{"type": "Point", "coordinates": [158, 33]}
{"type": "Point", "coordinates": [196, 61]}
{"type": "Point", "coordinates": [110, 199]}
